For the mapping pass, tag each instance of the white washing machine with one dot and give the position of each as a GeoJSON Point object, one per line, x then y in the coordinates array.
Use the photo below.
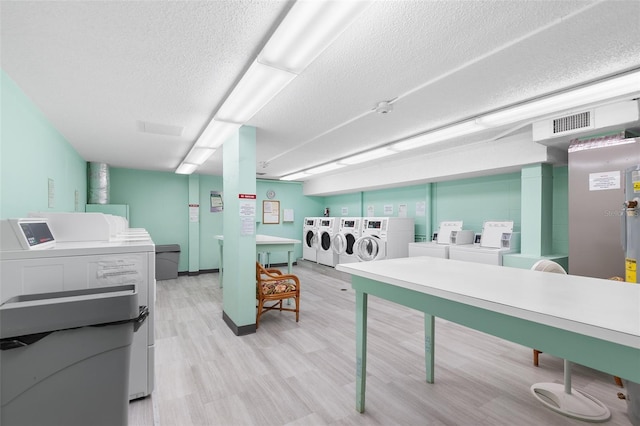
{"type": "Point", "coordinates": [449, 233]}
{"type": "Point", "coordinates": [496, 240]}
{"type": "Point", "coordinates": [384, 238]}
{"type": "Point", "coordinates": [38, 257]}
{"type": "Point", "coordinates": [349, 230]}
{"type": "Point", "coordinates": [327, 229]}
{"type": "Point", "coordinates": [309, 238]}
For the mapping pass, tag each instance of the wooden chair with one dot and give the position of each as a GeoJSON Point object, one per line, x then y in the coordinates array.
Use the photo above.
{"type": "Point", "coordinates": [274, 286]}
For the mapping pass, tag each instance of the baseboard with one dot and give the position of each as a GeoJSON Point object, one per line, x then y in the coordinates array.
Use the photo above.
{"type": "Point", "coordinates": [238, 331]}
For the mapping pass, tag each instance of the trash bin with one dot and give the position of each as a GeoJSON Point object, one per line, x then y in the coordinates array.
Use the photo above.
{"type": "Point", "coordinates": [65, 356]}
{"type": "Point", "coordinates": [167, 257]}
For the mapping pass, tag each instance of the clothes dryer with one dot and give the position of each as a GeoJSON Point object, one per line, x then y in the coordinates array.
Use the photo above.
{"type": "Point", "coordinates": [327, 229]}
{"type": "Point", "coordinates": [449, 233]}
{"type": "Point", "coordinates": [384, 238]}
{"type": "Point", "coordinates": [349, 231]}
{"type": "Point", "coordinates": [310, 238]}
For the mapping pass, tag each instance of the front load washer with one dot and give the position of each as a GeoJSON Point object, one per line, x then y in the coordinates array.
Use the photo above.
{"type": "Point", "coordinates": [327, 229]}
{"type": "Point", "coordinates": [349, 231]}
{"type": "Point", "coordinates": [384, 238]}
{"type": "Point", "coordinates": [309, 238]}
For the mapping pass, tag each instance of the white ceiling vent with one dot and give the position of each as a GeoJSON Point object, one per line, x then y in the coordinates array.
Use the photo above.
{"type": "Point", "coordinates": [159, 129]}
{"type": "Point", "coordinates": [599, 118]}
{"type": "Point", "coordinates": [572, 122]}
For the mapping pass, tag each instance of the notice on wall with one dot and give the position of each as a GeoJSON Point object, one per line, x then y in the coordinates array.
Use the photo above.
{"type": "Point", "coordinates": [51, 193]}
{"type": "Point", "coordinates": [344, 211]}
{"type": "Point", "coordinates": [194, 212]}
{"type": "Point", "coordinates": [388, 210]}
{"type": "Point", "coordinates": [247, 207]}
{"type": "Point", "coordinates": [288, 215]}
{"type": "Point", "coordinates": [603, 181]}
{"type": "Point", "coordinates": [421, 208]}
{"type": "Point", "coordinates": [216, 201]}
{"type": "Point", "coordinates": [402, 210]}
{"type": "Point", "coordinates": [370, 211]}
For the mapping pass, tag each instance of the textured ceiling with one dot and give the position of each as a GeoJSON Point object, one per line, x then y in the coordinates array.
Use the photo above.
{"type": "Point", "coordinates": [96, 69]}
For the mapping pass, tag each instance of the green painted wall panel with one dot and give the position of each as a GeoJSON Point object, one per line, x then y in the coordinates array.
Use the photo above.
{"type": "Point", "coordinates": [158, 202]}
{"type": "Point", "coordinates": [344, 205]}
{"type": "Point", "coordinates": [32, 151]}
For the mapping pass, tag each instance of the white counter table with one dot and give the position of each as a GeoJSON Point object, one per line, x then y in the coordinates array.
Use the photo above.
{"type": "Point", "coordinates": [589, 321]}
{"type": "Point", "coordinates": [265, 244]}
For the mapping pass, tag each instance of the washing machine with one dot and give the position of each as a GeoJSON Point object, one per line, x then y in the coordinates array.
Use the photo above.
{"type": "Point", "coordinates": [384, 238]}
{"type": "Point", "coordinates": [53, 252]}
{"type": "Point", "coordinates": [449, 233]}
{"type": "Point", "coordinates": [496, 240]}
{"type": "Point", "coordinates": [327, 229]}
{"type": "Point", "coordinates": [349, 231]}
{"type": "Point", "coordinates": [309, 238]}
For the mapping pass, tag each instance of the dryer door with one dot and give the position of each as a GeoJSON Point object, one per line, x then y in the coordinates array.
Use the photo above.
{"type": "Point", "coordinates": [339, 244]}
{"type": "Point", "coordinates": [325, 241]}
{"type": "Point", "coordinates": [310, 239]}
{"type": "Point", "coordinates": [369, 248]}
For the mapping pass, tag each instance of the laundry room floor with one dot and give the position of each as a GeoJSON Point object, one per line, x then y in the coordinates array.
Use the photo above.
{"type": "Point", "coordinates": [303, 373]}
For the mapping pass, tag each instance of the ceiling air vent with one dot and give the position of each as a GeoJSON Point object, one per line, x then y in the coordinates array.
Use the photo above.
{"type": "Point", "coordinates": [572, 122]}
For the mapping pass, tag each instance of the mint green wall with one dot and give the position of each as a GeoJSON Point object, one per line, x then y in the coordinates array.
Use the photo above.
{"type": "Point", "coordinates": [158, 202]}
{"type": "Point", "coordinates": [409, 195]}
{"type": "Point", "coordinates": [477, 200]}
{"type": "Point", "coordinates": [32, 151]}
{"type": "Point", "coordinates": [210, 223]}
{"type": "Point", "coordinates": [336, 203]}
{"type": "Point", "coordinates": [560, 225]}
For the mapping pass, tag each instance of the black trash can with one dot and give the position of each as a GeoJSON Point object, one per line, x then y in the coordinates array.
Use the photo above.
{"type": "Point", "coordinates": [167, 258]}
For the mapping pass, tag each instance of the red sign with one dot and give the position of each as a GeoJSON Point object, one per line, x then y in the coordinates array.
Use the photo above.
{"type": "Point", "coordinates": [247, 196]}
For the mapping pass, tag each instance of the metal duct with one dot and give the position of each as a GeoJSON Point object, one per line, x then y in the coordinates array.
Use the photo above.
{"type": "Point", "coordinates": [98, 183]}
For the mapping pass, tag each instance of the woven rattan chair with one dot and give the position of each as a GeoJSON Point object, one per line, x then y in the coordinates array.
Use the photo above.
{"type": "Point", "coordinates": [274, 286]}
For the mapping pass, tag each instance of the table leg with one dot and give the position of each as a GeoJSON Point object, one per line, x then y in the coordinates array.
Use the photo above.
{"type": "Point", "coordinates": [429, 345]}
{"type": "Point", "coordinates": [361, 349]}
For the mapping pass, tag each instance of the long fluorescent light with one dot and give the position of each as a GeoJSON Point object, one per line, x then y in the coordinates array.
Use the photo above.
{"type": "Point", "coordinates": [256, 88]}
{"type": "Point", "coordinates": [324, 168]}
{"type": "Point", "coordinates": [456, 130]}
{"type": "Point", "coordinates": [199, 155]}
{"type": "Point", "coordinates": [187, 168]}
{"type": "Point", "coordinates": [605, 90]}
{"type": "Point", "coordinates": [307, 30]}
{"type": "Point", "coordinates": [368, 156]}
{"type": "Point", "coordinates": [295, 176]}
{"type": "Point", "coordinates": [216, 133]}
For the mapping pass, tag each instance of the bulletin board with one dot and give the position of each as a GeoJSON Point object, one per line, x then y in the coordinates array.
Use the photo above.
{"type": "Point", "coordinates": [270, 212]}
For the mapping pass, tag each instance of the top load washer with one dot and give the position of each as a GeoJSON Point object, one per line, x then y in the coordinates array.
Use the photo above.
{"type": "Point", "coordinates": [384, 238]}
{"type": "Point", "coordinates": [496, 240]}
{"type": "Point", "coordinates": [327, 229]}
{"type": "Point", "coordinates": [449, 232]}
{"type": "Point", "coordinates": [310, 238]}
{"type": "Point", "coordinates": [349, 231]}
{"type": "Point", "coordinates": [69, 261]}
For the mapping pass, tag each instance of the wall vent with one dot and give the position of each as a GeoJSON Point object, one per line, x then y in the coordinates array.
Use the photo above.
{"type": "Point", "coordinates": [572, 122]}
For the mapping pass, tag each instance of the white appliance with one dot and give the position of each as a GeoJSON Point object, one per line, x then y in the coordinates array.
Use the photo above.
{"type": "Point", "coordinates": [327, 229]}
{"type": "Point", "coordinates": [349, 231]}
{"type": "Point", "coordinates": [71, 262]}
{"type": "Point", "coordinates": [496, 240]}
{"type": "Point", "coordinates": [309, 238]}
{"type": "Point", "coordinates": [449, 232]}
{"type": "Point", "coordinates": [384, 238]}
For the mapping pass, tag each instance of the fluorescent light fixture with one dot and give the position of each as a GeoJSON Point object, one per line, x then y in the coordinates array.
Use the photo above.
{"type": "Point", "coordinates": [368, 156]}
{"type": "Point", "coordinates": [255, 89]}
{"type": "Point", "coordinates": [199, 155]}
{"type": "Point", "coordinates": [187, 168]}
{"type": "Point", "coordinates": [324, 168]}
{"type": "Point", "coordinates": [307, 30]}
{"type": "Point", "coordinates": [450, 132]}
{"type": "Point", "coordinates": [598, 92]}
{"type": "Point", "coordinates": [216, 133]}
{"type": "Point", "coordinates": [295, 176]}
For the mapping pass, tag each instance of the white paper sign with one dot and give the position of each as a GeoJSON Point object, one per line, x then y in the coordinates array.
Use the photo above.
{"type": "Point", "coordinates": [388, 209]}
{"type": "Point", "coordinates": [421, 208]}
{"type": "Point", "coordinates": [604, 180]}
{"type": "Point", "coordinates": [402, 210]}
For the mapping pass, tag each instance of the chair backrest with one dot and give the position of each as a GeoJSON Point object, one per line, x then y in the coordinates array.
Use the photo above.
{"type": "Point", "coordinates": [545, 265]}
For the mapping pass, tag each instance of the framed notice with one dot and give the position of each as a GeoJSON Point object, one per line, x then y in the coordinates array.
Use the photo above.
{"type": "Point", "coordinates": [270, 212]}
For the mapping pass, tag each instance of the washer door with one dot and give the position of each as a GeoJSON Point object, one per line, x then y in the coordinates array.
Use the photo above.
{"type": "Point", "coordinates": [369, 248]}
{"type": "Point", "coordinates": [325, 241]}
{"type": "Point", "coordinates": [310, 239]}
{"type": "Point", "coordinates": [339, 244]}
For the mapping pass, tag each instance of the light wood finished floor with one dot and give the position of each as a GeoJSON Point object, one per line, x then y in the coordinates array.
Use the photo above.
{"type": "Point", "coordinates": [303, 373]}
